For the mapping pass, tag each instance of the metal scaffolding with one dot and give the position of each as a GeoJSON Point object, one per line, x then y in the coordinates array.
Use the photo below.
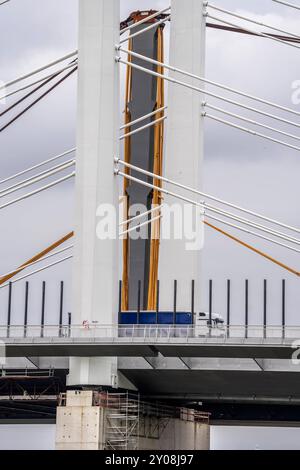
{"type": "Point", "coordinates": [122, 421]}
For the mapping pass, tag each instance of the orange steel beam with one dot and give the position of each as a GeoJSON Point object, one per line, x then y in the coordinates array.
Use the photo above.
{"type": "Point", "coordinates": [255, 250]}
{"type": "Point", "coordinates": [158, 169]}
{"type": "Point", "coordinates": [127, 150]}
{"type": "Point", "coordinates": [37, 257]}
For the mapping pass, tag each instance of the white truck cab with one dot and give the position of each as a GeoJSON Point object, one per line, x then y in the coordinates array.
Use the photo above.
{"type": "Point", "coordinates": [202, 324]}
{"type": "Point", "coordinates": [217, 319]}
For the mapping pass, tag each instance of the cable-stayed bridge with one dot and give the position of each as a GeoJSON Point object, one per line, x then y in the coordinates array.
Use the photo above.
{"type": "Point", "coordinates": [156, 345]}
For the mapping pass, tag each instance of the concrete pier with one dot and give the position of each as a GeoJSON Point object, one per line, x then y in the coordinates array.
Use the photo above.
{"type": "Point", "coordinates": [88, 420]}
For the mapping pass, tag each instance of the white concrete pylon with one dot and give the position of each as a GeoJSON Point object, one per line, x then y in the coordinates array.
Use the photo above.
{"type": "Point", "coordinates": [96, 266]}
{"type": "Point", "coordinates": [184, 153]}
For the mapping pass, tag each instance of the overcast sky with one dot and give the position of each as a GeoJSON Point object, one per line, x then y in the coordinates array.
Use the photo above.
{"type": "Point", "coordinates": [240, 168]}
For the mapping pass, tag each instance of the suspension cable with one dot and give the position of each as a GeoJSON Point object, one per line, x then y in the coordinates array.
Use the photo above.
{"type": "Point", "coordinates": [25, 266]}
{"type": "Point", "coordinates": [225, 222]}
{"type": "Point", "coordinates": [250, 131]}
{"type": "Point", "coordinates": [40, 69]}
{"type": "Point", "coordinates": [37, 257]}
{"type": "Point", "coordinates": [250, 232]}
{"type": "Point", "coordinates": [177, 196]}
{"type": "Point", "coordinates": [37, 271]}
{"type": "Point", "coordinates": [140, 216]}
{"type": "Point", "coordinates": [205, 80]}
{"type": "Point", "coordinates": [140, 129]}
{"type": "Point", "coordinates": [36, 179]}
{"type": "Point", "coordinates": [38, 99]}
{"type": "Point", "coordinates": [31, 92]}
{"type": "Point", "coordinates": [240, 219]}
{"type": "Point", "coordinates": [37, 191]}
{"type": "Point", "coordinates": [229, 29]}
{"type": "Point", "coordinates": [61, 155]}
{"type": "Point", "coordinates": [204, 92]}
{"type": "Point", "coordinates": [248, 222]}
{"type": "Point", "coordinates": [137, 227]}
{"type": "Point", "coordinates": [39, 165]}
{"type": "Point", "coordinates": [263, 35]}
{"type": "Point", "coordinates": [250, 20]}
{"type": "Point", "coordinates": [25, 87]}
{"type": "Point", "coordinates": [212, 217]}
{"type": "Point", "coordinates": [68, 152]}
{"type": "Point", "coordinates": [287, 4]}
{"type": "Point", "coordinates": [255, 250]}
{"type": "Point", "coordinates": [143, 118]}
{"type": "Point", "coordinates": [208, 196]}
{"type": "Point", "coordinates": [72, 54]}
{"type": "Point", "coordinates": [15, 186]}
{"type": "Point", "coordinates": [40, 85]}
{"type": "Point", "coordinates": [250, 121]}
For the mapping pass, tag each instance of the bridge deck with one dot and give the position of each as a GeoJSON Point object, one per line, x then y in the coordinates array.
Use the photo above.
{"type": "Point", "coordinates": [133, 341]}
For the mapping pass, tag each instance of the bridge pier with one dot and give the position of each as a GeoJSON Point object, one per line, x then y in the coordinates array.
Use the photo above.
{"type": "Point", "coordinates": [119, 421]}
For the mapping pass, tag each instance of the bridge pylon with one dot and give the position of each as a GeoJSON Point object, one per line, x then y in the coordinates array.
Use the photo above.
{"type": "Point", "coordinates": [180, 254]}
{"type": "Point", "coordinates": [96, 258]}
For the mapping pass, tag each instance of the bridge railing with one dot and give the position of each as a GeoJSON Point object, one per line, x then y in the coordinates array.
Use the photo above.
{"type": "Point", "coordinates": [223, 296]}
{"type": "Point", "coordinates": [150, 332]}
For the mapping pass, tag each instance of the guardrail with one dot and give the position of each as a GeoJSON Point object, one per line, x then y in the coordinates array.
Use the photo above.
{"type": "Point", "coordinates": [149, 332]}
{"type": "Point", "coordinates": [226, 300]}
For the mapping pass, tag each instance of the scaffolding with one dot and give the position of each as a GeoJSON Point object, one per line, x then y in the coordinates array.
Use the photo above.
{"type": "Point", "coordinates": [155, 417]}
{"type": "Point", "coordinates": [122, 420]}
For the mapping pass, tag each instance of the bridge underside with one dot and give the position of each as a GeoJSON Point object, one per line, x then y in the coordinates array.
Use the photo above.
{"type": "Point", "coordinates": [248, 397]}
{"type": "Point", "coordinates": [93, 347]}
{"type": "Point", "coordinates": [185, 379]}
{"type": "Point", "coordinates": [230, 386]}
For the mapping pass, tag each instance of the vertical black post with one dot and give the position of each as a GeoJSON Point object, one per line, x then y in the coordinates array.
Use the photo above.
{"type": "Point", "coordinates": [69, 323]}
{"type": "Point", "coordinates": [120, 302]}
{"type": "Point", "coordinates": [139, 300]}
{"type": "Point", "coordinates": [26, 308]}
{"type": "Point", "coordinates": [43, 308]}
{"type": "Point", "coordinates": [9, 309]}
{"type": "Point", "coordinates": [265, 308]}
{"type": "Point", "coordinates": [157, 300]}
{"type": "Point", "coordinates": [175, 303]}
{"type": "Point", "coordinates": [228, 306]}
{"type": "Point", "coordinates": [246, 307]}
{"type": "Point", "coordinates": [283, 307]}
{"type": "Point", "coordinates": [193, 301]}
{"type": "Point", "coordinates": [210, 302]}
{"type": "Point", "coordinates": [61, 304]}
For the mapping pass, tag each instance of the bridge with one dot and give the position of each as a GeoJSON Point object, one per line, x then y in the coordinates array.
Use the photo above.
{"type": "Point", "coordinates": [255, 342]}
{"type": "Point", "coordinates": [107, 344]}
{"type": "Point", "coordinates": [214, 365]}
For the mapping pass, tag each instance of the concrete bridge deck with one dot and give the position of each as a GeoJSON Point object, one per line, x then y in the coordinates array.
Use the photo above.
{"type": "Point", "coordinates": [149, 341]}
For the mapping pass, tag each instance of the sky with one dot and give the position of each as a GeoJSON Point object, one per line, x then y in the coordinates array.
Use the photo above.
{"type": "Point", "coordinates": [240, 168]}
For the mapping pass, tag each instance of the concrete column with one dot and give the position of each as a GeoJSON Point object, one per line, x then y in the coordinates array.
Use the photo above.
{"type": "Point", "coordinates": [179, 258]}
{"type": "Point", "coordinates": [79, 424]}
{"type": "Point", "coordinates": [96, 266]}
